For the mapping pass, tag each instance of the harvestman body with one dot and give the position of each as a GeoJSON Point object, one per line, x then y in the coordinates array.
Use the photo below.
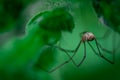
{"type": "Point", "coordinates": [86, 37]}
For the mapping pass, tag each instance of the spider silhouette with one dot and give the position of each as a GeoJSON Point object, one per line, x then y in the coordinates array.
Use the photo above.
{"type": "Point", "coordinates": [86, 37]}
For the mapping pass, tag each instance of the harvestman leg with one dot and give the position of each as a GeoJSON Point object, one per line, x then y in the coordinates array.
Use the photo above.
{"type": "Point", "coordinates": [107, 34]}
{"type": "Point", "coordinates": [83, 56]}
{"type": "Point", "coordinates": [112, 62]}
{"type": "Point", "coordinates": [77, 65]}
{"type": "Point", "coordinates": [100, 54]}
{"type": "Point", "coordinates": [70, 58]}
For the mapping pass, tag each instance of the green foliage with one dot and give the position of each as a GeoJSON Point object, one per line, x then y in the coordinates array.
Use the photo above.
{"type": "Point", "coordinates": [50, 24]}
{"type": "Point", "coordinates": [110, 11]}
{"type": "Point", "coordinates": [39, 32]}
{"type": "Point", "coordinates": [47, 56]}
{"type": "Point", "coordinates": [10, 12]}
{"type": "Point", "coordinates": [58, 17]}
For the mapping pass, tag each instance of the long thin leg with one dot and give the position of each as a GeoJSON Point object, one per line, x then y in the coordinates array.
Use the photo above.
{"type": "Point", "coordinates": [54, 69]}
{"type": "Point", "coordinates": [114, 48]}
{"type": "Point", "coordinates": [93, 48]}
{"type": "Point", "coordinates": [64, 50]}
{"type": "Point", "coordinates": [110, 52]}
{"type": "Point", "coordinates": [102, 56]}
{"type": "Point", "coordinates": [70, 58]}
{"type": "Point", "coordinates": [74, 52]}
{"type": "Point", "coordinates": [83, 56]}
{"type": "Point", "coordinates": [60, 65]}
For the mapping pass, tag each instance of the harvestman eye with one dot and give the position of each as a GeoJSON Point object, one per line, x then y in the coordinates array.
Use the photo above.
{"type": "Point", "coordinates": [86, 37]}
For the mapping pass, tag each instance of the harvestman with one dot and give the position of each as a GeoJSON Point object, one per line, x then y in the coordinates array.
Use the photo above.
{"type": "Point", "coordinates": [86, 37]}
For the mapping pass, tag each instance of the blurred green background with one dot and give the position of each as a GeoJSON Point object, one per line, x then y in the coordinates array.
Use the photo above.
{"type": "Point", "coordinates": [96, 16]}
